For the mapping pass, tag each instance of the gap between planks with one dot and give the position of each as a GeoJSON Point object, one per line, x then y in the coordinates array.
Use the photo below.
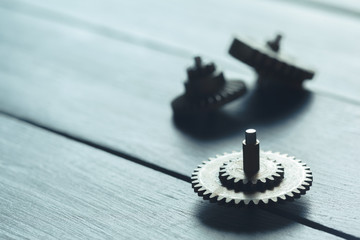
{"type": "Point", "coordinates": [128, 37]}
{"type": "Point", "coordinates": [180, 176]}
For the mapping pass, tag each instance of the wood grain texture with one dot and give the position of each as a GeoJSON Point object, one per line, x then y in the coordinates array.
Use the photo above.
{"type": "Point", "coordinates": [118, 95]}
{"type": "Point", "coordinates": [322, 39]}
{"type": "Point", "coordinates": [54, 188]}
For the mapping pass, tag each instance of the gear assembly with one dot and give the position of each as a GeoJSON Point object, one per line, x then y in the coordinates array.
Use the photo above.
{"type": "Point", "coordinates": [251, 177]}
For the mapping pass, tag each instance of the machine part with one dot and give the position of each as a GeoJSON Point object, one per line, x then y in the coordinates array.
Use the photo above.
{"type": "Point", "coordinates": [206, 90]}
{"type": "Point", "coordinates": [232, 176]}
{"type": "Point", "coordinates": [272, 67]}
{"type": "Point", "coordinates": [295, 180]}
{"type": "Point", "coordinates": [275, 44]}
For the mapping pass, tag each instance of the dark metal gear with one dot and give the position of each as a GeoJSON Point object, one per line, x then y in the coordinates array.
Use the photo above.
{"type": "Point", "coordinates": [232, 175]}
{"type": "Point", "coordinates": [272, 67]}
{"type": "Point", "coordinates": [206, 90]}
{"type": "Point", "coordinates": [294, 179]}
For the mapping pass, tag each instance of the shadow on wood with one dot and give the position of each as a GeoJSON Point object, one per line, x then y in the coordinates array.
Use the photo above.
{"type": "Point", "coordinates": [244, 220]}
{"type": "Point", "coordinates": [259, 107]}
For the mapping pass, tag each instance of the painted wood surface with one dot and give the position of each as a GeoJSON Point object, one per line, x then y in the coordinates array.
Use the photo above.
{"type": "Point", "coordinates": [54, 188]}
{"type": "Point", "coordinates": [326, 40]}
{"type": "Point", "coordinates": [117, 95]}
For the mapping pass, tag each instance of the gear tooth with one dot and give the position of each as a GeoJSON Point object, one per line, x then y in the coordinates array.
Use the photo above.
{"type": "Point", "coordinates": [207, 192]}
{"type": "Point", "coordinates": [229, 178]}
{"type": "Point", "coordinates": [256, 201]}
{"type": "Point", "coordinates": [296, 191]}
{"type": "Point", "coordinates": [296, 194]}
{"type": "Point", "coordinates": [237, 180]}
{"type": "Point", "coordinates": [211, 158]}
{"type": "Point", "coordinates": [302, 190]}
{"type": "Point", "coordinates": [306, 184]}
{"type": "Point", "coordinates": [237, 201]}
{"type": "Point", "coordinates": [274, 199]}
{"type": "Point", "coordinates": [228, 200]}
{"type": "Point", "coordinates": [301, 187]}
{"type": "Point", "coordinates": [217, 155]}
{"type": "Point", "coordinates": [198, 186]}
{"type": "Point", "coordinates": [247, 201]}
{"type": "Point", "coordinates": [265, 201]}
{"type": "Point", "coordinates": [194, 176]}
{"type": "Point", "coordinates": [290, 194]}
{"type": "Point", "coordinates": [206, 197]}
{"type": "Point", "coordinates": [204, 162]}
{"type": "Point", "coordinates": [202, 189]}
{"type": "Point", "coordinates": [219, 198]}
{"type": "Point", "coordinates": [199, 193]}
{"type": "Point", "coordinates": [222, 170]}
{"type": "Point", "coordinates": [308, 180]}
{"type": "Point", "coordinates": [282, 197]}
{"type": "Point", "coordinates": [195, 181]}
{"type": "Point", "coordinates": [212, 195]}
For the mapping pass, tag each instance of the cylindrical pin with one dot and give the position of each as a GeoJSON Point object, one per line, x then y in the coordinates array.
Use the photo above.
{"type": "Point", "coordinates": [198, 62]}
{"type": "Point", "coordinates": [251, 157]}
{"type": "Point", "coordinates": [275, 44]}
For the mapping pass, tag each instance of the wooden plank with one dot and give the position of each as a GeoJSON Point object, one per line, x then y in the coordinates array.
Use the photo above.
{"type": "Point", "coordinates": [54, 188]}
{"type": "Point", "coordinates": [346, 8]}
{"type": "Point", "coordinates": [123, 103]}
{"type": "Point", "coordinates": [324, 40]}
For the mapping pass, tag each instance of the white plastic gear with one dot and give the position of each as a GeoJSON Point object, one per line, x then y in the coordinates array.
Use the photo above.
{"type": "Point", "coordinates": [297, 180]}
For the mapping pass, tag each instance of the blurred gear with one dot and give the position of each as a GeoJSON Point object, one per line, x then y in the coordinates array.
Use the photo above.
{"type": "Point", "coordinates": [206, 90]}
{"type": "Point", "coordinates": [273, 68]}
{"type": "Point", "coordinates": [288, 178]}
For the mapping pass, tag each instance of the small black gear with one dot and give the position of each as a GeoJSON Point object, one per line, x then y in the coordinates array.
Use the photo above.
{"type": "Point", "coordinates": [206, 90]}
{"type": "Point", "coordinates": [272, 67]}
{"type": "Point", "coordinates": [232, 175]}
{"type": "Point", "coordinates": [295, 181]}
